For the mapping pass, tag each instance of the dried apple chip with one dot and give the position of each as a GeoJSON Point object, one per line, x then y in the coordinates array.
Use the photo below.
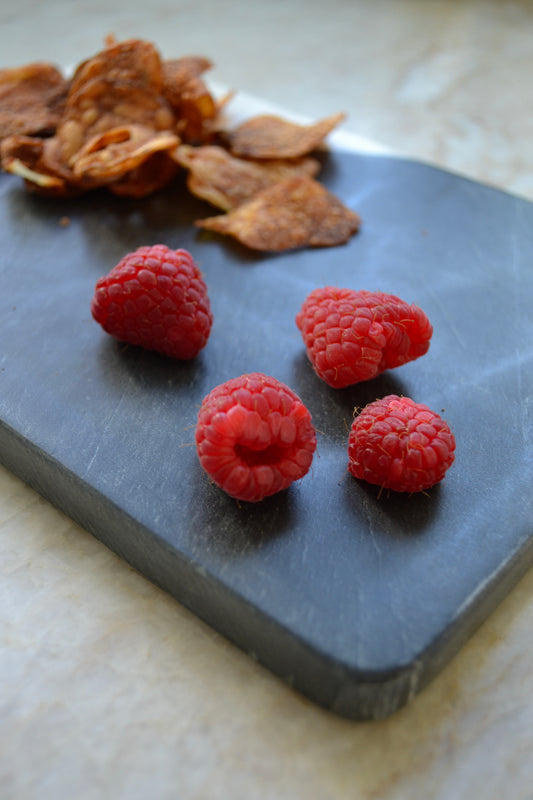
{"type": "Point", "coordinates": [120, 86]}
{"type": "Point", "coordinates": [128, 64]}
{"type": "Point", "coordinates": [128, 121]}
{"type": "Point", "coordinates": [296, 212]}
{"type": "Point", "coordinates": [228, 182]}
{"type": "Point", "coordinates": [189, 97]}
{"type": "Point", "coordinates": [26, 156]}
{"type": "Point", "coordinates": [32, 98]}
{"type": "Point", "coordinates": [111, 154]}
{"type": "Point", "coordinates": [152, 175]}
{"type": "Point", "coordinates": [197, 113]}
{"type": "Point", "coordinates": [179, 72]}
{"type": "Point", "coordinates": [268, 136]}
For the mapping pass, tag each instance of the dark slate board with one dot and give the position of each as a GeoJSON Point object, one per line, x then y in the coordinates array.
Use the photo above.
{"type": "Point", "coordinates": [356, 600]}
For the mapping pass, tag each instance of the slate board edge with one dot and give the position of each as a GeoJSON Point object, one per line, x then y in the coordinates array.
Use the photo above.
{"type": "Point", "coordinates": [331, 685]}
{"type": "Point", "coordinates": [306, 669]}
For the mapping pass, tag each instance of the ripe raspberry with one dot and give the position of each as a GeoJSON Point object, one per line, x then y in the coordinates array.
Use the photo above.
{"type": "Point", "coordinates": [401, 445]}
{"type": "Point", "coordinates": [352, 336]}
{"type": "Point", "coordinates": [254, 436]}
{"type": "Point", "coordinates": [155, 298]}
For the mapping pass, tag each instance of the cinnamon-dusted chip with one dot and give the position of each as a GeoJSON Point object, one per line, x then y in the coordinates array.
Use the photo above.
{"type": "Point", "coordinates": [132, 63]}
{"type": "Point", "coordinates": [178, 72]}
{"type": "Point", "coordinates": [189, 97]}
{"type": "Point", "coordinates": [32, 98]}
{"type": "Point", "coordinates": [115, 117]}
{"type": "Point", "coordinates": [296, 212]}
{"type": "Point", "coordinates": [152, 175]}
{"type": "Point", "coordinates": [197, 113]}
{"type": "Point", "coordinates": [119, 86]}
{"type": "Point", "coordinates": [268, 136]}
{"type": "Point", "coordinates": [228, 182]}
{"type": "Point", "coordinates": [25, 156]}
{"type": "Point", "coordinates": [128, 121]}
{"type": "Point", "coordinates": [113, 153]}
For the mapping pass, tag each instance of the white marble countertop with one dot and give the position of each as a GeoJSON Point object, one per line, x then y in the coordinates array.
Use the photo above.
{"type": "Point", "coordinates": [110, 689]}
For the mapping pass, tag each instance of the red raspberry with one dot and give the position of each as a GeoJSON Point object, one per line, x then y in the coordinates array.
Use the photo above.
{"type": "Point", "coordinates": [353, 336]}
{"type": "Point", "coordinates": [254, 436]}
{"type": "Point", "coordinates": [155, 298]}
{"type": "Point", "coordinates": [401, 445]}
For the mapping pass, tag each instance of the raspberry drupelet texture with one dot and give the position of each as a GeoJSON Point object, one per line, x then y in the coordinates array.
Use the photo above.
{"type": "Point", "coordinates": [400, 445]}
{"type": "Point", "coordinates": [352, 336]}
{"type": "Point", "coordinates": [254, 436]}
{"type": "Point", "coordinates": [155, 298]}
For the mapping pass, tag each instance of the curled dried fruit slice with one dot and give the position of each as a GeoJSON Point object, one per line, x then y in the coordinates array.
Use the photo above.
{"type": "Point", "coordinates": [156, 172]}
{"type": "Point", "coordinates": [228, 182]}
{"type": "Point", "coordinates": [114, 119]}
{"type": "Point", "coordinates": [179, 72]}
{"type": "Point", "coordinates": [295, 212]}
{"type": "Point", "coordinates": [119, 150]}
{"type": "Point", "coordinates": [118, 87]}
{"type": "Point", "coordinates": [190, 99]}
{"type": "Point", "coordinates": [32, 98]}
{"type": "Point", "coordinates": [268, 136]}
{"type": "Point", "coordinates": [32, 159]}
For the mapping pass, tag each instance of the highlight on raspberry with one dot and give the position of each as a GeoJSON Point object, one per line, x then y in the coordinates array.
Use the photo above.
{"type": "Point", "coordinates": [254, 437]}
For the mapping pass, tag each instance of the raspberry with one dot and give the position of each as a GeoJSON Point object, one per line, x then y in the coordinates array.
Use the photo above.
{"type": "Point", "coordinates": [155, 298]}
{"type": "Point", "coordinates": [254, 436]}
{"type": "Point", "coordinates": [352, 336]}
{"type": "Point", "coordinates": [401, 445]}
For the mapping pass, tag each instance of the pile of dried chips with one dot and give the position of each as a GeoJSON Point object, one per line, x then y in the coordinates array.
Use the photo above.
{"type": "Point", "coordinates": [129, 121]}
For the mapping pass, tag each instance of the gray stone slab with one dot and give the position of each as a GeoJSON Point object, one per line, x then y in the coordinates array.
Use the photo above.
{"type": "Point", "coordinates": [357, 600]}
